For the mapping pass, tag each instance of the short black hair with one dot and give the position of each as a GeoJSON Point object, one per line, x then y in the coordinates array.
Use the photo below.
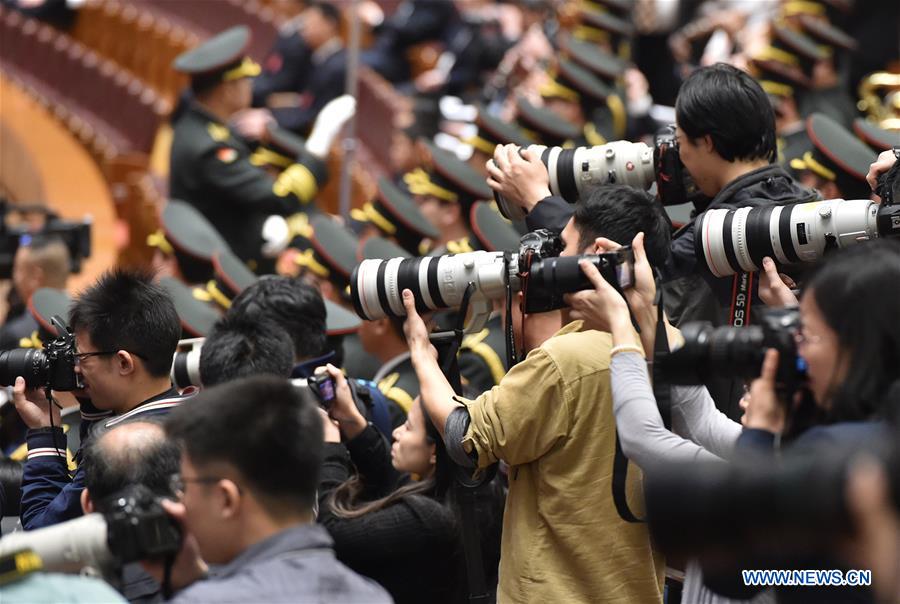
{"type": "Point", "coordinates": [295, 306]}
{"type": "Point", "coordinates": [619, 212]}
{"type": "Point", "coordinates": [125, 310]}
{"type": "Point", "coordinates": [149, 459]}
{"type": "Point", "coordinates": [264, 427]}
{"type": "Point", "coordinates": [731, 107]}
{"type": "Point", "coordinates": [237, 347]}
{"type": "Point", "coordinates": [328, 10]}
{"type": "Point", "coordinates": [10, 486]}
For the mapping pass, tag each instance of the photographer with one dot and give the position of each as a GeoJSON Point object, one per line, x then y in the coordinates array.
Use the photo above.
{"type": "Point", "coordinates": [404, 533]}
{"type": "Point", "coordinates": [237, 347]}
{"type": "Point", "coordinates": [550, 419]}
{"type": "Point", "coordinates": [247, 500]}
{"type": "Point", "coordinates": [126, 330]}
{"type": "Point", "coordinates": [128, 454]}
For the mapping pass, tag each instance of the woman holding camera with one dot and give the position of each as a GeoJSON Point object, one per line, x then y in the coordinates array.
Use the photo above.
{"type": "Point", "coordinates": [399, 530]}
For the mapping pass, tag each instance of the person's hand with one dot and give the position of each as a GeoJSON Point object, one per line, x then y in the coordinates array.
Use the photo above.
{"type": "Point", "coordinates": [252, 123]}
{"type": "Point", "coordinates": [188, 566]}
{"type": "Point", "coordinates": [33, 406]}
{"type": "Point", "coordinates": [519, 176]}
{"type": "Point", "coordinates": [885, 160]}
{"type": "Point", "coordinates": [330, 430]}
{"type": "Point", "coordinates": [344, 410]}
{"type": "Point", "coordinates": [775, 287]}
{"type": "Point", "coordinates": [641, 296]}
{"type": "Point", "coordinates": [764, 410]}
{"type": "Point", "coordinates": [600, 308]}
{"type": "Point", "coordinates": [415, 330]}
{"type": "Point", "coordinates": [328, 125]}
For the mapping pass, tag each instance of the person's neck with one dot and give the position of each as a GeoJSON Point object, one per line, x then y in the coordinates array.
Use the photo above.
{"type": "Point", "coordinates": [216, 108]}
{"type": "Point", "coordinates": [143, 391]}
{"type": "Point", "coordinates": [260, 527]}
{"type": "Point", "coordinates": [390, 348]}
{"type": "Point", "coordinates": [454, 232]}
{"type": "Point", "coordinates": [731, 171]}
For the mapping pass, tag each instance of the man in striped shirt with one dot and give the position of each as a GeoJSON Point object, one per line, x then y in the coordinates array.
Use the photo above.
{"type": "Point", "coordinates": [126, 330]}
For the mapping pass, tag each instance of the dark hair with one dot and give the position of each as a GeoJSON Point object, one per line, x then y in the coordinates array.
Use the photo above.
{"type": "Point", "coordinates": [125, 310]}
{"type": "Point", "coordinates": [264, 427]}
{"type": "Point", "coordinates": [346, 500]}
{"type": "Point", "coordinates": [328, 10]}
{"type": "Point", "coordinates": [10, 486]}
{"type": "Point", "coordinates": [730, 106]}
{"type": "Point", "coordinates": [620, 212]}
{"type": "Point", "coordinates": [51, 253]}
{"type": "Point", "coordinates": [143, 456]}
{"type": "Point", "coordinates": [858, 292]}
{"type": "Point", "coordinates": [237, 347]}
{"type": "Point", "coordinates": [293, 305]}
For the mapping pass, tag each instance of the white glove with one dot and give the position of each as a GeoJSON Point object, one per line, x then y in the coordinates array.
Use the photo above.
{"type": "Point", "coordinates": [276, 236]}
{"type": "Point", "coordinates": [328, 125]}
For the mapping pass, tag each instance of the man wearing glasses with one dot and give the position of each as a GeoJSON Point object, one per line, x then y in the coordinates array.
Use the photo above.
{"type": "Point", "coordinates": [126, 330]}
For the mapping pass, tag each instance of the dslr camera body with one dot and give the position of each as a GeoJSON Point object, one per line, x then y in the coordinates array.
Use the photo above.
{"type": "Point", "coordinates": [574, 172]}
{"type": "Point", "coordinates": [441, 282]}
{"type": "Point", "coordinates": [51, 367]}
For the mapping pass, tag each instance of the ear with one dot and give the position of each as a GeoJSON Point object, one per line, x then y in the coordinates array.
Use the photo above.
{"type": "Point", "coordinates": [829, 190]}
{"type": "Point", "coordinates": [231, 498]}
{"type": "Point", "coordinates": [126, 362]}
{"type": "Point", "coordinates": [602, 246]}
{"type": "Point", "coordinates": [707, 144]}
{"type": "Point", "coordinates": [382, 326]}
{"type": "Point", "coordinates": [87, 506]}
{"type": "Point", "coordinates": [451, 213]}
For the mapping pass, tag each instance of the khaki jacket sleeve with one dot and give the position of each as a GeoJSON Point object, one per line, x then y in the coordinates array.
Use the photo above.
{"type": "Point", "coordinates": [523, 417]}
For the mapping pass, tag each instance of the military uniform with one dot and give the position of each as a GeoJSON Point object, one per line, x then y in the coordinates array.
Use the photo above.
{"type": "Point", "coordinates": [211, 168]}
{"type": "Point", "coordinates": [328, 68]}
{"type": "Point", "coordinates": [287, 66]}
{"type": "Point", "coordinates": [482, 357]}
{"type": "Point", "coordinates": [573, 83]}
{"type": "Point", "coordinates": [397, 380]}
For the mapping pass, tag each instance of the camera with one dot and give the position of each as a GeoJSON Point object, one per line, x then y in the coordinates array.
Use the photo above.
{"type": "Point", "coordinates": [51, 367]}
{"type": "Point", "coordinates": [323, 388]}
{"type": "Point", "coordinates": [186, 363]}
{"type": "Point", "coordinates": [737, 351]}
{"type": "Point", "coordinates": [794, 509]}
{"type": "Point", "coordinates": [134, 527]}
{"type": "Point", "coordinates": [76, 235]}
{"type": "Point", "coordinates": [732, 241]}
{"type": "Point", "coordinates": [573, 172]}
{"type": "Point", "coordinates": [441, 282]}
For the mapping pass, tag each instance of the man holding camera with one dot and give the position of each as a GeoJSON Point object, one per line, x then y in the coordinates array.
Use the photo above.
{"type": "Point", "coordinates": [126, 330]}
{"type": "Point", "coordinates": [551, 420]}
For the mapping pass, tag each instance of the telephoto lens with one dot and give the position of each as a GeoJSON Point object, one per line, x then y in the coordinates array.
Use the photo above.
{"type": "Point", "coordinates": [732, 241]}
{"type": "Point", "coordinates": [30, 363]}
{"type": "Point", "coordinates": [186, 364]}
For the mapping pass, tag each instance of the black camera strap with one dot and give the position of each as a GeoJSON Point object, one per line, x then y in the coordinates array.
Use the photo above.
{"type": "Point", "coordinates": [663, 394]}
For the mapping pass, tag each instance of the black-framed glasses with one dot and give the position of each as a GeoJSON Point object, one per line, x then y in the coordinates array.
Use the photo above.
{"type": "Point", "coordinates": [177, 482]}
{"type": "Point", "coordinates": [81, 356]}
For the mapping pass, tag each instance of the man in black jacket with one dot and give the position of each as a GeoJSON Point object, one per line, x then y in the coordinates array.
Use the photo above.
{"type": "Point", "coordinates": [726, 138]}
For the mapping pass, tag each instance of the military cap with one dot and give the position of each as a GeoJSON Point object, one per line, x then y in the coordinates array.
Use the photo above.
{"type": "Point", "coordinates": [448, 179]}
{"type": "Point", "coordinates": [280, 150]}
{"type": "Point", "coordinates": [836, 156]}
{"type": "Point", "coordinates": [493, 131]}
{"type": "Point", "coordinates": [600, 26]}
{"type": "Point", "coordinates": [778, 79]}
{"type": "Point", "coordinates": [794, 48]}
{"type": "Point", "coordinates": [877, 138]}
{"type": "Point", "coordinates": [339, 321]}
{"type": "Point", "coordinates": [494, 232]}
{"type": "Point", "coordinates": [396, 215]}
{"type": "Point", "coordinates": [197, 317]}
{"type": "Point", "coordinates": [574, 83]}
{"type": "Point", "coordinates": [543, 126]}
{"type": "Point", "coordinates": [44, 304]}
{"type": "Point", "coordinates": [190, 237]}
{"type": "Point", "coordinates": [230, 277]}
{"type": "Point", "coordinates": [832, 9]}
{"type": "Point", "coordinates": [222, 58]}
{"type": "Point", "coordinates": [380, 248]}
{"type": "Point", "coordinates": [329, 251]}
{"type": "Point", "coordinates": [825, 33]}
{"type": "Point", "coordinates": [604, 65]}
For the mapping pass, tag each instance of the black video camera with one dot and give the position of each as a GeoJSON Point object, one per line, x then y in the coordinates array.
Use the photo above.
{"type": "Point", "coordinates": [51, 367]}
{"type": "Point", "coordinates": [738, 351]}
{"type": "Point", "coordinates": [323, 388]}
{"type": "Point", "coordinates": [138, 528]}
{"type": "Point", "coordinates": [76, 235]}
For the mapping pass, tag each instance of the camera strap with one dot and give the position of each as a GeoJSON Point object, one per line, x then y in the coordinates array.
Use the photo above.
{"type": "Point", "coordinates": [741, 298]}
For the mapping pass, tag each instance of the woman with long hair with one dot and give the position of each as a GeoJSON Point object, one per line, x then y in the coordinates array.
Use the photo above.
{"type": "Point", "coordinates": [393, 512]}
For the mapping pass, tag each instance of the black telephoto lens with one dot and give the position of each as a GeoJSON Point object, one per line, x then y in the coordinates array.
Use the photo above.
{"type": "Point", "coordinates": [30, 363]}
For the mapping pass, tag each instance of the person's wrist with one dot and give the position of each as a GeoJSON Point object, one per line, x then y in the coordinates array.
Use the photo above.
{"type": "Point", "coordinates": [352, 425]}
{"type": "Point", "coordinates": [535, 197]}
